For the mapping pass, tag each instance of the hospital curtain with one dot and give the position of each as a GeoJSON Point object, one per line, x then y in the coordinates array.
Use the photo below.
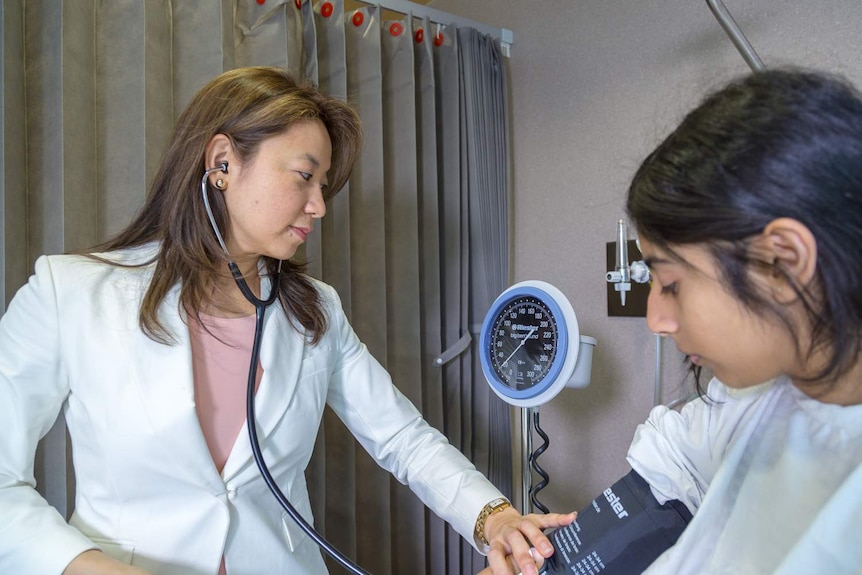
{"type": "Point", "coordinates": [416, 244]}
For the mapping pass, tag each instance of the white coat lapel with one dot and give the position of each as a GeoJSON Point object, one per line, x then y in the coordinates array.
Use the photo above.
{"type": "Point", "coordinates": [163, 376]}
{"type": "Point", "coordinates": [281, 357]}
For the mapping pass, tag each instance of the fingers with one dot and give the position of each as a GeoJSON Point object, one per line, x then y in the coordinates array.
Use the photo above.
{"type": "Point", "coordinates": [513, 552]}
{"type": "Point", "coordinates": [498, 560]}
{"type": "Point", "coordinates": [521, 545]}
{"type": "Point", "coordinates": [528, 536]}
{"type": "Point", "coordinates": [507, 565]}
{"type": "Point", "coordinates": [554, 520]}
{"type": "Point", "coordinates": [530, 564]}
{"type": "Point", "coordinates": [534, 525]}
{"type": "Point", "coordinates": [548, 520]}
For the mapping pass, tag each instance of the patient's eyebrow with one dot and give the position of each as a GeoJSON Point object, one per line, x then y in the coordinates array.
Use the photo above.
{"type": "Point", "coordinates": [651, 262]}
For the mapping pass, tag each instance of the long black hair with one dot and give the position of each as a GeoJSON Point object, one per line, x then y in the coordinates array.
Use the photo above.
{"type": "Point", "coordinates": [780, 143]}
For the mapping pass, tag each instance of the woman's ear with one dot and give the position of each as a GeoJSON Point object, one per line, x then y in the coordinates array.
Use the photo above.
{"type": "Point", "coordinates": [789, 249]}
{"type": "Point", "coordinates": [219, 150]}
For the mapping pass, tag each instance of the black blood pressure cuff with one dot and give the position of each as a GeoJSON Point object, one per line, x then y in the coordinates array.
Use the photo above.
{"type": "Point", "coordinates": [622, 532]}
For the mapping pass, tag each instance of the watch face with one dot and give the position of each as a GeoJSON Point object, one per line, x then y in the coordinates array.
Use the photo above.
{"type": "Point", "coordinates": [523, 342]}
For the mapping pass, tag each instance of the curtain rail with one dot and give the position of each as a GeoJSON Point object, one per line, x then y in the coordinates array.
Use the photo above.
{"type": "Point", "coordinates": [504, 35]}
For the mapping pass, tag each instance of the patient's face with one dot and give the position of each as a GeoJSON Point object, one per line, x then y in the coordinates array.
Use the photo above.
{"type": "Point", "coordinates": [689, 302]}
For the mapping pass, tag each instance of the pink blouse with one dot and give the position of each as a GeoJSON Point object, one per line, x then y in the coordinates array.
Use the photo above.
{"type": "Point", "coordinates": [220, 359]}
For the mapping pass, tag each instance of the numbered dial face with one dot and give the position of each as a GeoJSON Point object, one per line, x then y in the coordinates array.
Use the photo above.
{"type": "Point", "coordinates": [523, 342]}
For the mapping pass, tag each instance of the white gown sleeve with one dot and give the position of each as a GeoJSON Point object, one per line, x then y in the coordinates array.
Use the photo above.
{"type": "Point", "coordinates": [679, 453]}
{"type": "Point", "coordinates": [34, 537]}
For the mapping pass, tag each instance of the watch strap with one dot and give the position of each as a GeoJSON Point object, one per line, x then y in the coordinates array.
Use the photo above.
{"type": "Point", "coordinates": [490, 508]}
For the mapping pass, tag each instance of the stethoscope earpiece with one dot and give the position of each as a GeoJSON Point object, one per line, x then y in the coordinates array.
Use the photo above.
{"type": "Point", "coordinates": [259, 304]}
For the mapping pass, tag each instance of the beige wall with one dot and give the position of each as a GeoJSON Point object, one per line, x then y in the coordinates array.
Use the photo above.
{"type": "Point", "coordinates": [595, 84]}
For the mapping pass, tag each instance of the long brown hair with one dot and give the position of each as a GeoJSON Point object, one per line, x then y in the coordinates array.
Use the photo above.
{"type": "Point", "coordinates": [248, 105]}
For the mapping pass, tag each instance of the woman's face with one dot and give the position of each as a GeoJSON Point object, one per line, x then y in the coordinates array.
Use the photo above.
{"type": "Point", "coordinates": [688, 302]}
{"type": "Point", "coordinates": [274, 197]}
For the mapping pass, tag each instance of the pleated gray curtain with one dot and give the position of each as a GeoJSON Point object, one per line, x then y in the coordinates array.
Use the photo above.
{"type": "Point", "coordinates": [416, 244]}
{"type": "Point", "coordinates": [485, 157]}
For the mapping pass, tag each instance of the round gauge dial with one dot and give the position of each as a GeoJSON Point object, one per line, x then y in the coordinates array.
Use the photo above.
{"type": "Point", "coordinates": [529, 344]}
{"type": "Point", "coordinates": [523, 342]}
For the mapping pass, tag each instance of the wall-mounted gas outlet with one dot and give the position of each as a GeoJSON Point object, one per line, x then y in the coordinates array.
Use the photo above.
{"type": "Point", "coordinates": [636, 298]}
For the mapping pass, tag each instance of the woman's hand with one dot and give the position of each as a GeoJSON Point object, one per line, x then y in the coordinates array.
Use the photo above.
{"type": "Point", "coordinates": [512, 535]}
{"type": "Point", "coordinates": [94, 562]}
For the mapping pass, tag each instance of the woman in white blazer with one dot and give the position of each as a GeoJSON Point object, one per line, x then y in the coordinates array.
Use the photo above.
{"type": "Point", "coordinates": [106, 339]}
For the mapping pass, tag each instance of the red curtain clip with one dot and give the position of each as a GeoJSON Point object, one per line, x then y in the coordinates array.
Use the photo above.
{"type": "Point", "coordinates": [358, 18]}
{"type": "Point", "coordinates": [396, 28]}
{"type": "Point", "coordinates": [326, 9]}
{"type": "Point", "coordinates": [419, 35]}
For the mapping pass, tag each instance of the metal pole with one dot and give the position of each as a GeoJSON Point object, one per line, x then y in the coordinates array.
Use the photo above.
{"type": "Point", "coordinates": [735, 34]}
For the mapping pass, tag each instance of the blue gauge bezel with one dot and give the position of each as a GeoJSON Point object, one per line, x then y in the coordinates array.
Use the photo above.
{"type": "Point", "coordinates": [562, 343]}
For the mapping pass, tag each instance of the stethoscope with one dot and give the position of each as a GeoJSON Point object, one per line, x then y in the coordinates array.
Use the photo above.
{"type": "Point", "coordinates": [260, 306]}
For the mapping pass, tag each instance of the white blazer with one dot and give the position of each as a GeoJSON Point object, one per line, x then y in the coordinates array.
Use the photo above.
{"type": "Point", "coordinates": [147, 491]}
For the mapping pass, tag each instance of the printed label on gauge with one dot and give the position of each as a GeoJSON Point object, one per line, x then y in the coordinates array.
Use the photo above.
{"type": "Point", "coordinates": [523, 342]}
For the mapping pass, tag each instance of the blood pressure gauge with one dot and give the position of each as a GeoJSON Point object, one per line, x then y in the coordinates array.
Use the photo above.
{"type": "Point", "coordinates": [531, 346]}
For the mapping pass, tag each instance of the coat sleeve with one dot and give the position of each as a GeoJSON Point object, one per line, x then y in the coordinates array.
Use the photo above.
{"type": "Point", "coordinates": [393, 432]}
{"type": "Point", "coordinates": [34, 537]}
{"type": "Point", "coordinates": [679, 452]}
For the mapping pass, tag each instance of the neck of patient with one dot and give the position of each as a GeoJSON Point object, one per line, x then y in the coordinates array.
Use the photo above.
{"type": "Point", "coordinates": [845, 390]}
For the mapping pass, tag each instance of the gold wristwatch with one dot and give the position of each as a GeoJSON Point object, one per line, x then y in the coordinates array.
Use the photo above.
{"type": "Point", "coordinates": [492, 507]}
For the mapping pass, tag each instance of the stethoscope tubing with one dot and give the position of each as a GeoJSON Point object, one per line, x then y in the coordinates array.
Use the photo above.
{"type": "Point", "coordinates": [260, 306]}
{"type": "Point", "coordinates": [258, 454]}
